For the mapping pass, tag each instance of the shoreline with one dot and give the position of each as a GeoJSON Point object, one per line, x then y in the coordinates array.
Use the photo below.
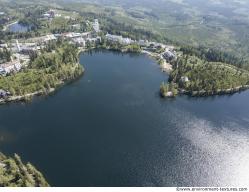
{"type": "Point", "coordinates": [165, 67]}
{"type": "Point", "coordinates": [29, 96]}
{"type": "Point", "coordinates": [219, 92]}
{"type": "Point", "coordinates": [206, 93]}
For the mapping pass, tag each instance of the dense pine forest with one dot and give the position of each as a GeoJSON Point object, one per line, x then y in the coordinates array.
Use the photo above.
{"type": "Point", "coordinates": [207, 78]}
{"type": "Point", "coordinates": [14, 173]}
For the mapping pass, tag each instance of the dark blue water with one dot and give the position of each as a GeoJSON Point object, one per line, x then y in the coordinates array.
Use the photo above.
{"type": "Point", "coordinates": [111, 128]}
{"type": "Point", "coordinates": [18, 28]}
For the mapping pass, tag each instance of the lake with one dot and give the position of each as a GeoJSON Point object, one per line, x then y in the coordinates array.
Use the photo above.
{"type": "Point", "coordinates": [111, 128]}
{"type": "Point", "coordinates": [18, 28]}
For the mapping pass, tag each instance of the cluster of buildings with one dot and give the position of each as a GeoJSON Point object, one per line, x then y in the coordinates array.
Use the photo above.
{"type": "Point", "coordinates": [22, 50]}
{"type": "Point", "coordinates": [119, 39]}
{"type": "Point", "coordinates": [143, 43]}
{"type": "Point", "coordinates": [9, 67]}
{"type": "Point", "coordinates": [51, 14]}
{"type": "Point", "coordinates": [169, 54]}
{"type": "Point", "coordinates": [37, 43]}
{"type": "Point", "coordinates": [80, 39]}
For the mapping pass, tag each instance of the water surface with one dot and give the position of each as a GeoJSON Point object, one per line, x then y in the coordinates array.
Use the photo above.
{"type": "Point", "coordinates": [18, 28]}
{"type": "Point", "coordinates": [111, 128]}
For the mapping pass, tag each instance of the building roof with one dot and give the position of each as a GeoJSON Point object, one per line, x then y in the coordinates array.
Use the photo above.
{"type": "Point", "coordinates": [4, 93]}
{"type": "Point", "coordinates": [9, 64]}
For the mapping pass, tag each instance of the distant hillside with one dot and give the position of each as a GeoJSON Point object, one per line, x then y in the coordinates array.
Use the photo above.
{"type": "Point", "coordinates": [218, 24]}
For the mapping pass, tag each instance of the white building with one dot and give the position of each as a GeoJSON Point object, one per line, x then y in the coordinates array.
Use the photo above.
{"type": "Point", "coordinates": [119, 39]}
{"type": "Point", "coordinates": [71, 35]}
{"type": "Point", "coordinates": [127, 41]}
{"type": "Point", "coordinates": [49, 14]}
{"type": "Point", "coordinates": [3, 45]}
{"type": "Point", "coordinates": [86, 34]}
{"type": "Point", "coordinates": [169, 55]}
{"type": "Point", "coordinates": [13, 66]}
{"type": "Point", "coordinates": [79, 41]}
{"type": "Point", "coordinates": [49, 37]}
{"type": "Point", "coordinates": [76, 26]}
{"type": "Point", "coordinates": [94, 40]}
{"type": "Point", "coordinates": [157, 45]}
{"type": "Point", "coordinates": [67, 17]}
{"type": "Point", "coordinates": [114, 38]}
{"type": "Point", "coordinates": [46, 15]}
{"type": "Point", "coordinates": [96, 25]}
{"type": "Point", "coordinates": [184, 79]}
{"type": "Point", "coordinates": [144, 43]}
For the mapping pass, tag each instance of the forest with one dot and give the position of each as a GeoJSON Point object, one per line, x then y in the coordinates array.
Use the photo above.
{"type": "Point", "coordinates": [207, 78]}
{"type": "Point", "coordinates": [14, 173]}
{"type": "Point", "coordinates": [214, 55]}
{"type": "Point", "coordinates": [5, 55]}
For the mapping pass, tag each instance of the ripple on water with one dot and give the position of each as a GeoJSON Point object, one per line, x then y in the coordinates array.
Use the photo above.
{"type": "Point", "coordinates": [216, 155]}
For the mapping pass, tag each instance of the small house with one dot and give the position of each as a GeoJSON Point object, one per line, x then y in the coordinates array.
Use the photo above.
{"type": "Point", "coordinates": [13, 66]}
{"type": "Point", "coordinates": [79, 41]}
{"type": "Point", "coordinates": [4, 94]}
{"type": "Point", "coordinates": [169, 55]}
